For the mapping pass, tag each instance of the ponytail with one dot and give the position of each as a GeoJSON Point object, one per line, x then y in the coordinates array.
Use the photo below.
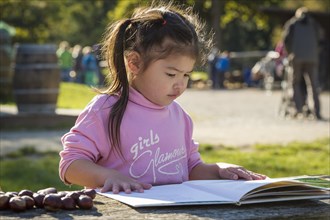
{"type": "Point", "coordinates": [119, 81]}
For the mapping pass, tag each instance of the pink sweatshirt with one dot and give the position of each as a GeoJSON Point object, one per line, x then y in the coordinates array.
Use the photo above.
{"type": "Point", "coordinates": [156, 141]}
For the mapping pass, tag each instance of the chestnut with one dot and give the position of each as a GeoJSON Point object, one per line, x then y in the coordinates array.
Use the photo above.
{"type": "Point", "coordinates": [29, 201]}
{"type": "Point", "coordinates": [90, 192]}
{"type": "Point", "coordinates": [85, 202]}
{"type": "Point", "coordinates": [48, 190]}
{"type": "Point", "coordinates": [38, 199]}
{"type": "Point", "coordinates": [74, 195]}
{"type": "Point", "coordinates": [62, 193]}
{"type": "Point", "coordinates": [25, 192]}
{"type": "Point", "coordinates": [11, 194]}
{"type": "Point", "coordinates": [4, 201]}
{"type": "Point", "coordinates": [52, 202]}
{"type": "Point", "coordinates": [17, 204]}
{"type": "Point", "coordinates": [68, 203]}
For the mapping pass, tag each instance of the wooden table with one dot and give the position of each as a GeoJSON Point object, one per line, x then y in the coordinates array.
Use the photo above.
{"type": "Point", "coordinates": [106, 208]}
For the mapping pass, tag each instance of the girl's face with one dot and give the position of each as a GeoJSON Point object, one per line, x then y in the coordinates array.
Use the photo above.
{"type": "Point", "coordinates": [164, 80]}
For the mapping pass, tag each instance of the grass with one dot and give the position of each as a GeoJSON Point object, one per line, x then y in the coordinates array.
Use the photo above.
{"type": "Point", "coordinates": [74, 96]}
{"type": "Point", "coordinates": [296, 158]}
{"type": "Point", "coordinates": [29, 169]}
{"type": "Point", "coordinates": [71, 96]}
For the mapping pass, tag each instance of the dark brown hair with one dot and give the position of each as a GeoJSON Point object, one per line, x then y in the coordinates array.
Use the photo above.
{"type": "Point", "coordinates": [145, 32]}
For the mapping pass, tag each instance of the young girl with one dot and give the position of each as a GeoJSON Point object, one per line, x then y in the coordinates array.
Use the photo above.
{"type": "Point", "coordinates": [134, 135]}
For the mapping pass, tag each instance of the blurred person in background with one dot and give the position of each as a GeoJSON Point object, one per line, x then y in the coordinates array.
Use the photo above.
{"type": "Point", "coordinates": [222, 67]}
{"type": "Point", "coordinates": [212, 59]}
{"type": "Point", "coordinates": [65, 60]}
{"type": "Point", "coordinates": [301, 38]}
{"type": "Point", "coordinates": [96, 48]}
{"type": "Point", "coordinates": [77, 56]}
{"type": "Point", "coordinates": [90, 67]}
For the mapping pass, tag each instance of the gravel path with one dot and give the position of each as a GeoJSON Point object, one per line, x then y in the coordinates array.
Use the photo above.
{"type": "Point", "coordinates": [246, 117]}
{"type": "Point", "coordinates": [231, 117]}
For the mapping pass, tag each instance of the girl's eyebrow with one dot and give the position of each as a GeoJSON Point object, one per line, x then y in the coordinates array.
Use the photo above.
{"type": "Point", "coordinates": [175, 69]}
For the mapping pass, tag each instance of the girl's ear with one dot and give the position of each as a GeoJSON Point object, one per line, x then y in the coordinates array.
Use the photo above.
{"type": "Point", "coordinates": [134, 62]}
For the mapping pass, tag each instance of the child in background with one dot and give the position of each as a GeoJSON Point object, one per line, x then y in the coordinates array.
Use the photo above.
{"type": "Point", "coordinates": [134, 135]}
{"type": "Point", "coordinates": [90, 67]}
{"type": "Point", "coordinates": [65, 60]}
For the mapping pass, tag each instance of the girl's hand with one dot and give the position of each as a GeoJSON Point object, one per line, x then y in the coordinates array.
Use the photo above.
{"type": "Point", "coordinates": [235, 172]}
{"type": "Point", "coordinates": [118, 182]}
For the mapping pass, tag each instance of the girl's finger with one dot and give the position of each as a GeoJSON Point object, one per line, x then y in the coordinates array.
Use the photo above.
{"type": "Point", "coordinates": [126, 188]}
{"type": "Point", "coordinates": [137, 187]}
{"type": "Point", "coordinates": [107, 187]}
{"type": "Point", "coordinates": [115, 188]}
{"type": "Point", "coordinates": [242, 173]}
{"type": "Point", "coordinates": [140, 187]}
{"type": "Point", "coordinates": [146, 185]}
{"type": "Point", "coordinates": [257, 176]}
{"type": "Point", "coordinates": [226, 174]}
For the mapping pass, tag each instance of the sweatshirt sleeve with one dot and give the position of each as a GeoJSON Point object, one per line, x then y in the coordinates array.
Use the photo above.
{"type": "Point", "coordinates": [194, 156]}
{"type": "Point", "coordinates": [86, 140]}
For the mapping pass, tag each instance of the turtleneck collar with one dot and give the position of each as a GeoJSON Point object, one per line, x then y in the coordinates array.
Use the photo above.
{"type": "Point", "coordinates": [139, 99]}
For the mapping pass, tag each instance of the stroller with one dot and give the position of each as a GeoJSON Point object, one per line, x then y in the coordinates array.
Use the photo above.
{"type": "Point", "coordinates": [287, 106]}
{"type": "Point", "coordinates": [265, 71]}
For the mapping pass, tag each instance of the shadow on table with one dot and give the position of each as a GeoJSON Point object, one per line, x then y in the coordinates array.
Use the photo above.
{"type": "Point", "coordinates": [302, 209]}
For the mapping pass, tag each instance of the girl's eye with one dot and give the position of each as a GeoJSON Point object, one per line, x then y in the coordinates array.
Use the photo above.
{"type": "Point", "coordinates": [170, 74]}
{"type": "Point", "coordinates": [187, 75]}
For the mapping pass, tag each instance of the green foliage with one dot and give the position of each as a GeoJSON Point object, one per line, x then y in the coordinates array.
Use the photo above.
{"type": "Point", "coordinates": [74, 96]}
{"type": "Point", "coordinates": [245, 27]}
{"type": "Point", "coordinates": [244, 11]}
{"type": "Point", "coordinates": [83, 22]}
{"type": "Point", "coordinates": [316, 5]}
{"type": "Point", "coordinates": [42, 21]}
{"type": "Point", "coordinates": [123, 8]}
{"type": "Point", "coordinates": [25, 17]}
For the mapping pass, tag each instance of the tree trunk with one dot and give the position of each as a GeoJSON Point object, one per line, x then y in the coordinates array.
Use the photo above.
{"type": "Point", "coordinates": [216, 12]}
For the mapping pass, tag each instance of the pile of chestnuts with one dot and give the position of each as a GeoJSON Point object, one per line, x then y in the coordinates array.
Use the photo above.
{"type": "Point", "coordinates": [49, 199]}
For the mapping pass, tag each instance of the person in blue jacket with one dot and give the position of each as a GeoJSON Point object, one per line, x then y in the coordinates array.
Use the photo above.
{"type": "Point", "coordinates": [222, 66]}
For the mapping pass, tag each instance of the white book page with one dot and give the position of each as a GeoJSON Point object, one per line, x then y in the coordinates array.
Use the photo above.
{"type": "Point", "coordinates": [232, 189]}
{"type": "Point", "coordinates": [166, 195]}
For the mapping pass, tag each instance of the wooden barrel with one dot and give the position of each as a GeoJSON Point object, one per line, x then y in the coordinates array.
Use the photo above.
{"type": "Point", "coordinates": [6, 73]}
{"type": "Point", "coordinates": [36, 78]}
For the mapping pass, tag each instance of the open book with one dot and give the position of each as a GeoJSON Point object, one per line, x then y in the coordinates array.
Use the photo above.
{"type": "Point", "coordinates": [200, 192]}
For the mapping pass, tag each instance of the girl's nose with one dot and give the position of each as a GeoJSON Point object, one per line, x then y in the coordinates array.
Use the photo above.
{"type": "Point", "coordinates": [180, 84]}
